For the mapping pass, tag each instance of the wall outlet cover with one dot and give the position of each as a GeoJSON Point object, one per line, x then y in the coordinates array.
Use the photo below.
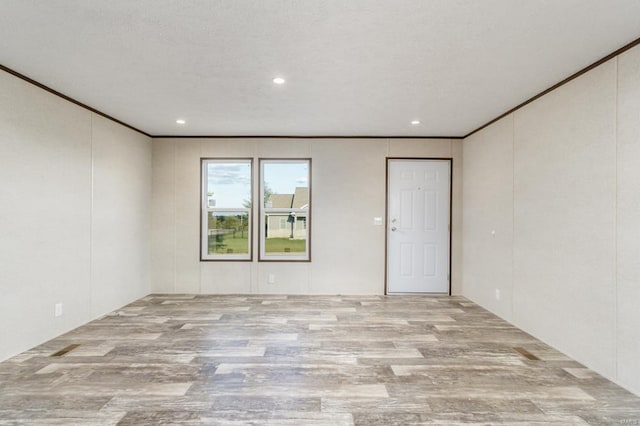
{"type": "Point", "coordinates": [57, 310]}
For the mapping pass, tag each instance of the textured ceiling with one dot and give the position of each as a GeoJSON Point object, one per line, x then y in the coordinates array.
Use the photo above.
{"type": "Point", "coordinates": [357, 67]}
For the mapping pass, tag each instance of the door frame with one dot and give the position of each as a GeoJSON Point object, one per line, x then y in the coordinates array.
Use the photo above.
{"type": "Point", "coordinates": [386, 211]}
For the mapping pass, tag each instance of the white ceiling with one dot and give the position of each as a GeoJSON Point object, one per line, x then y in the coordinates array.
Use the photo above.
{"type": "Point", "coordinates": [353, 67]}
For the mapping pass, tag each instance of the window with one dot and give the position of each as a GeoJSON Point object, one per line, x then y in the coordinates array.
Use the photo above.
{"type": "Point", "coordinates": [285, 209]}
{"type": "Point", "coordinates": [226, 209]}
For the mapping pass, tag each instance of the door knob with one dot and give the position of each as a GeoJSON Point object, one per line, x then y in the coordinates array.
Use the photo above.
{"type": "Point", "coordinates": [394, 228]}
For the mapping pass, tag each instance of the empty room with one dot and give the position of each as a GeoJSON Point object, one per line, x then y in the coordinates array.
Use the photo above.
{"type": "Point", "coordinates": [320, 212]}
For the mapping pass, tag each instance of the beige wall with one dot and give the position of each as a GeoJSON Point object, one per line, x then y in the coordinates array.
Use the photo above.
{"type": "Point", "coordinates": [627, 302]}
{"type": "Point", "coordinates": [348, 185]}
{"type": "Point", "coordinates": [558, 183]}
{"type": "Point", "coordinates": [488, 219]}
{"type": "Point", "coordinates": [121, 216]}
{"type": "Point", "coordinates": [74, 225]}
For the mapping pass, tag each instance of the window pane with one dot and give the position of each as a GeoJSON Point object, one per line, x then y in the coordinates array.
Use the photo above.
{"type": "Point", "coordinates": [228, 184]}
{"type": "Point", "coordinates": [228, 232]}
{"type": "Point", "coordinates": [286, 184]}
{"type": "Point", "coordinates": [285, 209]}
{"type": "Point", "coordinates": [226, 209]}
{"type": "Point", "coordinates": [286, 234]}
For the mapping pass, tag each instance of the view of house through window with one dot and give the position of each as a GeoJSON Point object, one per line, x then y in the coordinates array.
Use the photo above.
{"type": "Point", "coordinates": [285, 209]}
{"type": "Point", "coordinates": [226, 209]}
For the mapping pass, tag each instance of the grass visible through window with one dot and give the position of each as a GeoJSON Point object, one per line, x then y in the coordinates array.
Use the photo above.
{"type": "Point", "coordinates": [285, 246]}
{"type": "Point", "coordinates": [229, 244]}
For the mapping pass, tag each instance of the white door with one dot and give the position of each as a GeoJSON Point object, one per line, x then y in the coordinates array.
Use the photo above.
{"type": "Point", "coordinates": [418, 226]}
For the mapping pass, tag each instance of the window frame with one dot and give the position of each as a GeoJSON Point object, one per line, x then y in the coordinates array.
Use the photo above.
{"type": "Point", "coordinates": [262, 256]}
{"type": "Point", "coordinates": [205, 209]}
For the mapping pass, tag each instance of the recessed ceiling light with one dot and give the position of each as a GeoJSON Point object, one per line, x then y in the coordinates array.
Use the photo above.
{"type": "Point", "coordinates": [415, 122]}
{"type": "Point", "coordinates": [279, 80]}
{"type": "Point", "coordinates": [180, 121]}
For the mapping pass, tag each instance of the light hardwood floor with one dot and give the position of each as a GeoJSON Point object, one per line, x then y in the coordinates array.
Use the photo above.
{"type": "Point", "coordinates": [305, 360]}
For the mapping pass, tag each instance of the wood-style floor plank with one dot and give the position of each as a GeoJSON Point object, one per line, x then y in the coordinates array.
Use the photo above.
{"type": "Point", "coordinates": [304, 360]}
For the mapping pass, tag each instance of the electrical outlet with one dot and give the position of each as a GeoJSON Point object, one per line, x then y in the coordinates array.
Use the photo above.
{"type": "Point", "coordinates": [271, 279]}
{"type": "Point", "coordinates": [57, 310]}
{"type": "Point", "coordinates": [497, 294]}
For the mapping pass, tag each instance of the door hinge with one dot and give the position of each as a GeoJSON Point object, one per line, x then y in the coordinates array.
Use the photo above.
{"type": "Point", "coordinates": [448, 277]}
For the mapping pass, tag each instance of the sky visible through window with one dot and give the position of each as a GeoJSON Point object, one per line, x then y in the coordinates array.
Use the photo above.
{"type": "Point", "coordinates": [229, 184]}
{"type": "Point", "coordinates": [283, 178]}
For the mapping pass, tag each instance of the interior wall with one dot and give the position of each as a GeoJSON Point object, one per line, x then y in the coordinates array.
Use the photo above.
{"type": "Point", "coordinates": [488, 218]}
{"type": "Point", "coordinates": [551, 213]}
{"type": "Point", "coordinates": [74, 222]}
{"type": "Point", "coordinates": [627, 313]}
{"type": "Point", "coordinates": [348, 190]}
{"type": "Point", "coordinates": [121, 216]}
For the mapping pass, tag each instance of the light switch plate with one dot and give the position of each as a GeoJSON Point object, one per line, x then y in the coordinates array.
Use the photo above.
{"type": "Point", "coordinates": [377, 221]}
